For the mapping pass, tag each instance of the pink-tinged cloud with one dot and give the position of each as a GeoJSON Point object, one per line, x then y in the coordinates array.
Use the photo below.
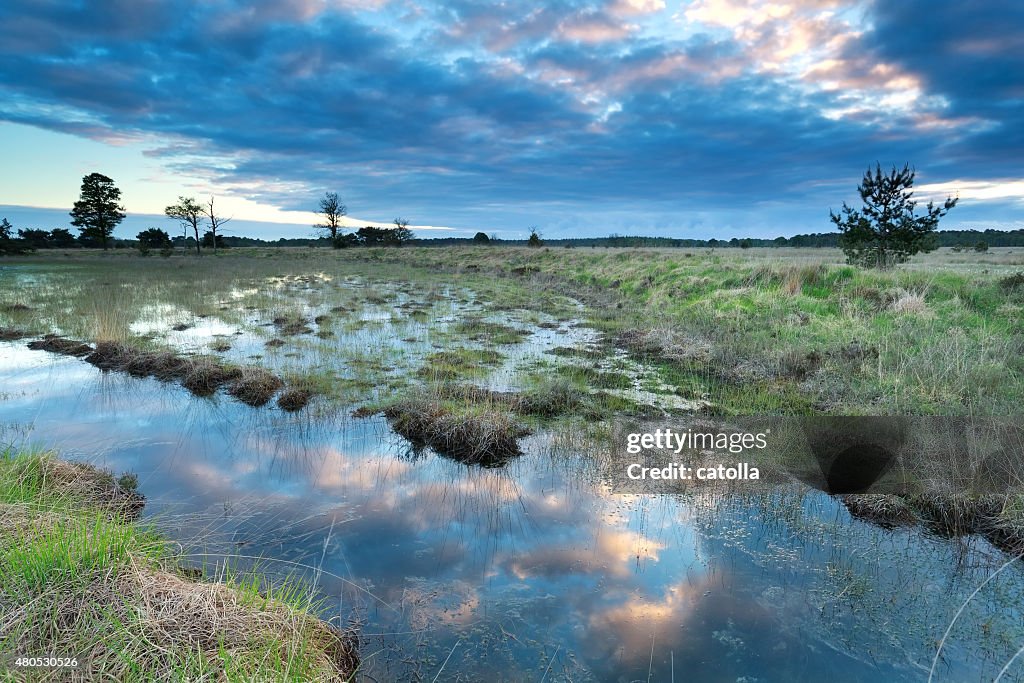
{"type": "Point", "coordinates": [592, 28]}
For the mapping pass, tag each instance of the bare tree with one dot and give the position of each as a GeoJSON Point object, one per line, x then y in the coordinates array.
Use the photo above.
{"type": "Point", "coordinates": [333, 210]}
{"type": "Point", "coordinates": [401, 232]}
{"type": "Point", "coordinates": [190, 213]}
{"type": "Point", "coordinates": [215, 222]}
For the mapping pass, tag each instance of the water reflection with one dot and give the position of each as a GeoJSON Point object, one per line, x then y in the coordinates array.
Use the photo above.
{"type": "Point", "coordinates": [530, 571]}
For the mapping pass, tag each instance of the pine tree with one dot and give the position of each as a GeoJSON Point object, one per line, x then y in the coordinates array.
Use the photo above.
{"type": "Point", "coordinates": [887, 231]}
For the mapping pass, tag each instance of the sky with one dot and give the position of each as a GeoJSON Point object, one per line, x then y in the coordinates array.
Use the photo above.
{"type": "Point", "coordinates": [706, 118]}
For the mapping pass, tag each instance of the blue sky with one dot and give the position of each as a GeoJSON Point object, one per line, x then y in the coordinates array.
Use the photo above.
{"type": "Point", "coordinates": [710, 118]}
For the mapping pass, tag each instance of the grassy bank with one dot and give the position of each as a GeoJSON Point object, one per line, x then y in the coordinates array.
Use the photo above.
{"type": "Point", "coordinates": [80, 579]}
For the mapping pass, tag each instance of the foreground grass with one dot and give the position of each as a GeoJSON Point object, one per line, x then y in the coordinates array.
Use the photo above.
{"type": "Point", "coordinates": [79, 579]}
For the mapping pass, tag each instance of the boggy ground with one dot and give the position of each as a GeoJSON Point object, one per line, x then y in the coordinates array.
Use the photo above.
{"type": "Point", "coordinates": [467, 349]}
{"type": "Point", "coordinates": [80, 579]}
{"type": "Point", "coordinates": [461, 348]}
{"type": "Point", "coordinates": [781, 331]}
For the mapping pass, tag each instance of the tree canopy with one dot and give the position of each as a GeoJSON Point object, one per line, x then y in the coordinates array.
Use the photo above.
{"type": "Point", "coordinates": [98, 210]}
{"type": "Point", "coordinates": [886, 231]}
{"type": "Point", "coordinates": [189, 213]}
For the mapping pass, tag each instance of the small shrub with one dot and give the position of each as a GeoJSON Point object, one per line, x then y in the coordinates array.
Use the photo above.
{"type": "Point", "coordinates": [1012, 282]}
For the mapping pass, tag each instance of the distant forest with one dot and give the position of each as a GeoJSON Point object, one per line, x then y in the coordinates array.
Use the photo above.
{"type": "Point", "coordinates": [945, 238]}
{"type": "Point", "coordinates": [968, 239]}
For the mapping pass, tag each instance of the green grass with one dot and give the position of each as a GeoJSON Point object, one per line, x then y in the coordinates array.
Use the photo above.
{"type": "Point", "coordinates": [945, 332]}
{"type": "Point", "coordinates": [79, 578]}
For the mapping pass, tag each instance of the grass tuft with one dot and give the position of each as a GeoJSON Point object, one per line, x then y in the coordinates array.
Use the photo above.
{"type": "Point", "coordinates": [484, 436]}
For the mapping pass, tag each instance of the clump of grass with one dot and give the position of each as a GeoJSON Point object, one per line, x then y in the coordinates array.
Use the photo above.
{"type": "Point", "coordinates": [62, 345]}
{"type": "Point", "coordinates": [495, 333]}
{"type": "Point", "coordinates": [909, 302]}
{"type": "Point", "coordinates": [78, 580]}
{"type": "Point", "coordinates": [204, 377]}
{"type": "Point", "coordinates": [576, 352]}
{"type": "Point", "coordinates": [116, 356]}
{"type": "Point", "coordinates": [255, 386]}
{"type": "Point", "coordinates": [294, 399]}
{"type": "Point", "coordinates": [594, 377]}
{"type": "Point", "coordinates": [32, 479]}
{"type": "Point", "coordinates": [477, 436]}
{"type": "Point", "coordinates": [12, 334]}
{"type": "Point", "coordinates": [552, 398]}
{"type": "Point", "coordinates": [667, 343]}
{"type": "Point", "coordinates": [291, 325]}
{"type": "Point", "coordinates": [885, 509]}
{"type": "Point", "coordinates": [452, 364]}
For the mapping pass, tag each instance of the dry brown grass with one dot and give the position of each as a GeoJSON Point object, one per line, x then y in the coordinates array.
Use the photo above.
{"type": "Point", "coordinates": [294, 399]}
{"type": "Point", "coordinates": [255, 386]}
{"type": "Point", "coordinates": [884, 509]}
{"type": "Point", "coordinates": [160, 624]}
{"type": "Point", "coordinates": [669, 343]}
{"type": "Point", "coordinates": [83, 481]}
{"type": "Point", "coordinates": [74, 583]}
{"type": "Point", "coordinates": [12, 334]}
{"type": "Point", "coordinates": [486, 436]}
{"type": "Point", "coordinates": [909, 302]}
{"type": "Point", "coordinates": [61, 345]}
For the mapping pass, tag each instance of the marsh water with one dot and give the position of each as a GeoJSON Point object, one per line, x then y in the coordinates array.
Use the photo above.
{"type": "Point", "coordinates": [531, 571]}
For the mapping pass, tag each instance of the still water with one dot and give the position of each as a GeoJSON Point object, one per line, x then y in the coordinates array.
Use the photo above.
{"type": "Point", "coordinates": [533, 571]}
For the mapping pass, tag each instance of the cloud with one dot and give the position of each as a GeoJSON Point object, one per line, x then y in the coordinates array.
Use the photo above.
{"type": "Point", "coordinates": [452, 113]}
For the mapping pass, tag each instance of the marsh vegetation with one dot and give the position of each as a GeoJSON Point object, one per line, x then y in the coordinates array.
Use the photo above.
{"type": "Point", "coordinates": [326, 413]}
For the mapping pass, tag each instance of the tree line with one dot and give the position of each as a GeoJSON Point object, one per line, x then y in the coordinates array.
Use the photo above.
{"type": "Point", "coordinates": [885, 231]}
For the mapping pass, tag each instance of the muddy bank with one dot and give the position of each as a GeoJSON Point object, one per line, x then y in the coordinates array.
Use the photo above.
{"type": "Point", "coordinates": [990, 516]}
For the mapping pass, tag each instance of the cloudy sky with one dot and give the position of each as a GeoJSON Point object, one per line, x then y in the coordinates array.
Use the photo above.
{"type": "Point", "coordinates": [710, 118]}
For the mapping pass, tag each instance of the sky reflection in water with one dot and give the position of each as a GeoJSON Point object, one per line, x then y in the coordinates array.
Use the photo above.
{"type": "Point", "coordinates": [532, 570]}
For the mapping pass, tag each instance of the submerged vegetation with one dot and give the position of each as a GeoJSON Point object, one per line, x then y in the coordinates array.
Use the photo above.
{"type": "Point", "coordinates": [81, 580]}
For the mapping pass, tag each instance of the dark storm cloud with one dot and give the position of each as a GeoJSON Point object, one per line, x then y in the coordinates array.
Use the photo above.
{"type": "Point", "coordinates": [481, 106]}
{"type": "Point", "coordinates": [973, 55]}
